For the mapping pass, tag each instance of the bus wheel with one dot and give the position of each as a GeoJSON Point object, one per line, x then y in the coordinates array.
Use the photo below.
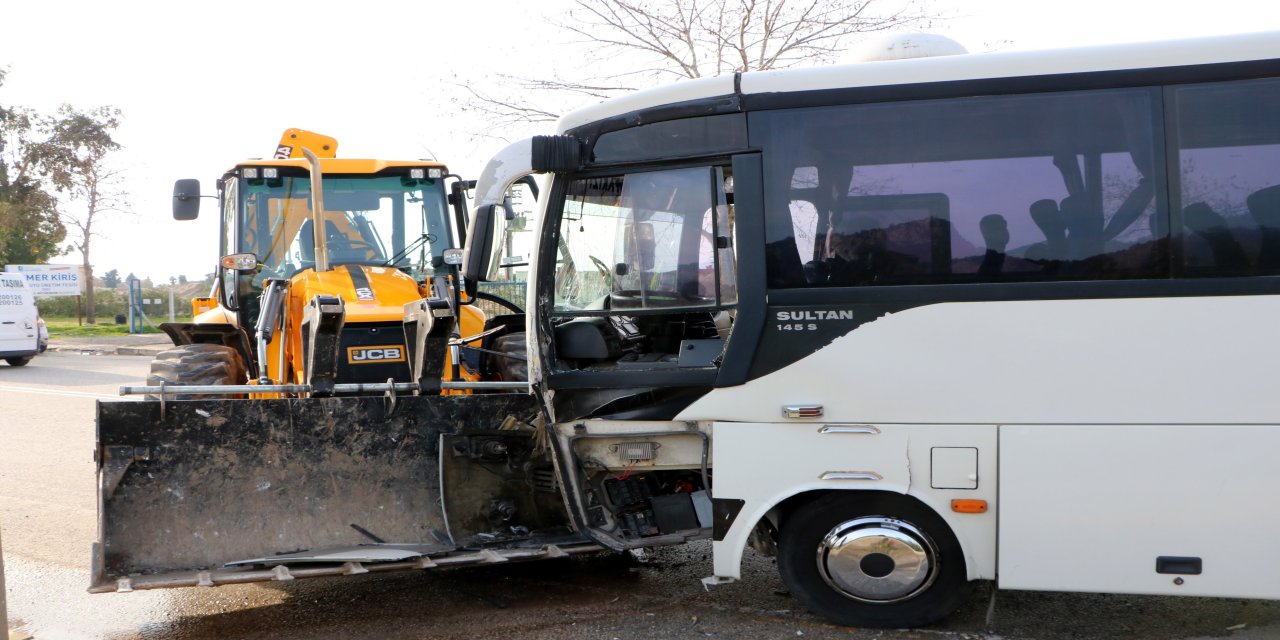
{"type": "Point", "coordinates": [872, 560]}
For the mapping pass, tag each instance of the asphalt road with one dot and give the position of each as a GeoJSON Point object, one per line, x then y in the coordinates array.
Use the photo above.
{"type": "Point", "coordinates": [48, 516]}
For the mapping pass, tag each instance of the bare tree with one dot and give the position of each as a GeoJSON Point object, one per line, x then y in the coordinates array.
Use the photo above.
{"type": "Point", "coordinates": [77, 152]}
{"type": "Point", "coordinates": [654, 41]}
{"type": "Point", "coordinates": [525, 101]}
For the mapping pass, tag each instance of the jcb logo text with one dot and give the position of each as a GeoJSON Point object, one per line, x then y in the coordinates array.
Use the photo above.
{"type": "Point", "coordinates": [363, 355]}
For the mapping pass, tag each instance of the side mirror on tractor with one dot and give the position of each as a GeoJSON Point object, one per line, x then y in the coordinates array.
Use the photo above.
{"type": "Point", "coordinates": [186, 199]}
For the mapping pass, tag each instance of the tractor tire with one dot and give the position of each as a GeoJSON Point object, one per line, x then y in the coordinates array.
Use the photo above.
{"type": "Point", "coordinates": [514, 369]}
{"type": "Point", "coordinates": [197, 364]}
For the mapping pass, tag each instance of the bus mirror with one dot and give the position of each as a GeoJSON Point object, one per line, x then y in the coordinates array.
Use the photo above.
{"type": "Point", "coordinates": [479, 246]}
{"type": "Point", "coordinates": [493, 238]}
{"type": "Point", "coordinates": [186, 199]}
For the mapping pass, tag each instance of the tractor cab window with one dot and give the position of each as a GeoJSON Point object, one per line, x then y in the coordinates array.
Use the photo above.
{"type": "Point", "coordinates": [370, 220]}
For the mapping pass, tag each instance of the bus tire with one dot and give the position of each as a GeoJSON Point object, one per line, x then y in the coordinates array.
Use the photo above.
{"type": "Point", "coordinates": [18, 362]}
{"type": "Point", "coordinates": [872, 560]}
{"type": "Point", "coordinates": [197, 364]}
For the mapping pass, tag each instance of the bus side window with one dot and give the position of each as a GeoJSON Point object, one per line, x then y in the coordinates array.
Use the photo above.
{"type": "Point", "coordinates": [900, 191]}
{"type": "Point", "coordinates": [1228, 136]}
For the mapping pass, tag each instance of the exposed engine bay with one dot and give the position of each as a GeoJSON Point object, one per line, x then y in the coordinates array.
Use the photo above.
{"type": "Point", "coordinates": [640, 484]}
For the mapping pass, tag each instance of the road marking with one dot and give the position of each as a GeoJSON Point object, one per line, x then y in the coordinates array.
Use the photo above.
{"type": "Point", "coordinates": [48, 392]}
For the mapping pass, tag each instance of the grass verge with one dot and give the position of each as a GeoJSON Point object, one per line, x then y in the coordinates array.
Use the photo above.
{"type": "Point", "coordinates": [69, 328]}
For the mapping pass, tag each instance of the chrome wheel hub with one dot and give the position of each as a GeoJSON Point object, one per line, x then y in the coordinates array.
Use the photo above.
{"type": "Point", "coordinates": [877, 559]}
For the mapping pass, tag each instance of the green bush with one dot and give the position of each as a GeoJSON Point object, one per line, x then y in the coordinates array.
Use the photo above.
{"type": "Point", "coordinates": [108, 304]}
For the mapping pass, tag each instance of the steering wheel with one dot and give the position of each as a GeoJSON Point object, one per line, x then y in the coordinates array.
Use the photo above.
{"type": "Point", "coordinates": [665, 294]}
{"type": "Point", "coordinates": [636, 299]}
{"type": "Point", "coordinates": [352, 247]}
{"type": "Point", "coordinates": [630, 298]}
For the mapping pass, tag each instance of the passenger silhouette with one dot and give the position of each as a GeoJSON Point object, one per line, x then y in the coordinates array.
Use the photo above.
{"type": "Point", "coordinates": [1202, 220]}
{"type": "Point", "coordinates": [1084, 227]}
{"type": "Point", "coordinates": [1264, 207]}
{"type": "Point", "coordinates": [1053, 250]}
{"type": "Point", "coordinates": [995, 233]}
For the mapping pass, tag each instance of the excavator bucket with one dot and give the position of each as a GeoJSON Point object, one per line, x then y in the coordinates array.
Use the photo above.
{"type": "Point", "coordinates": [206, 492]}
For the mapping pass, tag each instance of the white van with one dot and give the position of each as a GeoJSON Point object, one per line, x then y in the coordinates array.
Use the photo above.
{"type": "Point", "coordinates": [19, 321]}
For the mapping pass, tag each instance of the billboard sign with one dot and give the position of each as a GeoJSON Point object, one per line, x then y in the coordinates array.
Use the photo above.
{"type": "Point", "coordinates": [50, 279]}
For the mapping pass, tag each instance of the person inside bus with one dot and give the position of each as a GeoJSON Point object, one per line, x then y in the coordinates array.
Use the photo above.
{"type": "Point", "coordinates": [1053, 250]}
{"type": "Point", "coordinates": [995, 233]}
{"type": "Point", "coordinates": [1264, 208]}
{"type": "Point", "coordinates": [1212, 228]}
{"type": "Point", "coordinates": [1084, 226]}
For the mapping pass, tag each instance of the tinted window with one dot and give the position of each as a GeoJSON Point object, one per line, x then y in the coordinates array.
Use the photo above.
{"type": "Point", "coordinates": [674, 138]}
{"type": "Point", "coordinates": [1228, 138]}
{"type": "Point", "coordinates": [1041, 187]}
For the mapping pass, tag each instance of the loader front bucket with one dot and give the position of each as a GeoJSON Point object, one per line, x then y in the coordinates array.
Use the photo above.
{"type": "Point", "coordinates": [190, 487]}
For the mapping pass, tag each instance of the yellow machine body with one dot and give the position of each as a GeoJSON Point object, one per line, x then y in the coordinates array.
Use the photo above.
{"type": "Point", "coordinates": [376, 244]}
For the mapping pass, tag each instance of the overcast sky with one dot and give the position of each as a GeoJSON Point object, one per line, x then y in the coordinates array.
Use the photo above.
{"type": "Point", "coordinates": [203, 85]}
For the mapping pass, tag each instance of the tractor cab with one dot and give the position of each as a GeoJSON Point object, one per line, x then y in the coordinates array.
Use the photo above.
{"type": "Point", "coordinates": [309, 230]}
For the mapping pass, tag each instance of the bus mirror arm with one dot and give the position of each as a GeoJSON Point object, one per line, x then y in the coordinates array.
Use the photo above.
{"type": "Point", "coordinates": [555, 154]}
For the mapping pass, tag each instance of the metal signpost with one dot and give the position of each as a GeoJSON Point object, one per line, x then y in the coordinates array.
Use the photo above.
{"type": "Point", "coordinates": [4, 613]}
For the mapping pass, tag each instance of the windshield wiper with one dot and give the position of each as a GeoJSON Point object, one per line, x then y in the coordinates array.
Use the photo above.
{"type": "Point", "coordinates": [426, 237]}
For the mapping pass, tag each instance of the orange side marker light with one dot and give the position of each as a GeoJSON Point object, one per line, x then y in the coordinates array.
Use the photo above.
{"type": "Point", "coordinates": [969, 506]}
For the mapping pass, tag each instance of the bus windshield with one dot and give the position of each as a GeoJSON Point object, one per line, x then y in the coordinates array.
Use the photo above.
{"type": "Point", "coordinates": [646, 241]}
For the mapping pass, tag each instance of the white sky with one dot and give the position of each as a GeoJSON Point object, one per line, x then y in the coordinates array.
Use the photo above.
{"type": "Point", "coordinates": [204, 84]}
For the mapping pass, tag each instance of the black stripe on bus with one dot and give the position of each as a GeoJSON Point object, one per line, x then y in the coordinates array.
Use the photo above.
{"type": "Point", "coordinates": [779, 348]}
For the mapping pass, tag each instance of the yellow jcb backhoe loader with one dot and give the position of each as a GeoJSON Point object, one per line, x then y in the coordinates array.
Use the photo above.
{"type": "Point", "coordinates": [320, 255]}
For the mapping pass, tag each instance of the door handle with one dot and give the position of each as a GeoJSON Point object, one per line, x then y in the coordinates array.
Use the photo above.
{"type": "Point", "coordinates": [839, 428]}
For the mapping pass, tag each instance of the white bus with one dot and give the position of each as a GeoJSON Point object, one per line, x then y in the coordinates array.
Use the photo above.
{"type": "Point", "coordinates": [1001, 317]}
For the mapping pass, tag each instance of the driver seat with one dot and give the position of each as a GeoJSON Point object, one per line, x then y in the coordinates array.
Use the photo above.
{"type": "Point", "coordinates": [341, 248]}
